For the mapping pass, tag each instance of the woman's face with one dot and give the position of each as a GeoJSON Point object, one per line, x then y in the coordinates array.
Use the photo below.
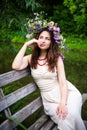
{"type": "Point", "coordinates": [44, 40]}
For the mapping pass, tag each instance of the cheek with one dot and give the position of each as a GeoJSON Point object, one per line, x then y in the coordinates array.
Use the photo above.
{"type": "Point", "coordinates": [48, 44]}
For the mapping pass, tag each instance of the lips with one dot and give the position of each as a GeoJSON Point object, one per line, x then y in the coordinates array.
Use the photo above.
{"type": "Point", "coordinates": [42, 45]}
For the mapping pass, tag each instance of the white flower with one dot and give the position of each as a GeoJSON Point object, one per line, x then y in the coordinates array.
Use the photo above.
{"type": "Point", "coordinates": [29, 35]}
{"type": "Point", "coordinates": [51, 24]}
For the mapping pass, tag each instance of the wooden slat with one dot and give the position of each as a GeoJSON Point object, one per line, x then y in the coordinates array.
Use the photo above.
{"type": "Point", "coordinates": [6, 111]}
{"type": "Point", "coordinates": [48, 125]}
{"type": "Point", "coordinates": [22, 114]}
{"type": "Point", "coordinates": [84, 97]}
{"type": "Point", "coordinates": [54, 128]}
{"type": "Point", "coordinates": [13, 76]}
{"type": "Point", "coordinates": [11, 98]}
{"type": "Point", "coordinates": [40, 122]}
{"type": "Point", "coordinates": [85, 122]}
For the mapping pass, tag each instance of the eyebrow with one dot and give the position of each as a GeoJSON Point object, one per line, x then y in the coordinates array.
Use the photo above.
{"type": "Point", "coordinates": [43, 36]}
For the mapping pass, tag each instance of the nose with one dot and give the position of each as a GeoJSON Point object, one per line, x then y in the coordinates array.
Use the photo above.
{"type": "Point", "coordinates": [43, 40]}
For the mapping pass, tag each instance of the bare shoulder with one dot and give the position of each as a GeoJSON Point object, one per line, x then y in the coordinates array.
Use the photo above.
{"type": "Point", "coordinates": [59, 60]}
{"type": "Point", "coordinates": [60, 64]}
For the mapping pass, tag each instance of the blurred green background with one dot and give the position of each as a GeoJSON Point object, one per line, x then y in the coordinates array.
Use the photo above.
{"type": "Point", "coordinates": [71, 17]}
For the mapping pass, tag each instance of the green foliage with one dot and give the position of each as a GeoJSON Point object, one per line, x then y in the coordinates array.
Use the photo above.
{"type": "Point", "coordinates": [76, 43]}
{"type": "Point", "coordinates": [13, 17]}
{"type": "Point", "coordinates": [33, 4]}
{"type": "Point", "coordinates": [78, 9]}
{"type": "Point", "coordinates": [69, 14]}
{"type": "Point", "coordinates": [75, 62]}
{"type": "Point", "coordinates": [6, 50]}
{"type": "Point", "coordinates": [70, 4]}
{"type": "Point", "coordinates": [64, 19]}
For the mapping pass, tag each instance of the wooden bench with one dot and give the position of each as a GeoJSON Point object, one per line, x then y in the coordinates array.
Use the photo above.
{"type": "Point", "coordinates": [42, 123]}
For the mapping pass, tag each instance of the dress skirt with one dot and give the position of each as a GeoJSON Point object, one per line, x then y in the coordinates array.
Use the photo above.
{"type": "Point", "coordinates": [50, 92]}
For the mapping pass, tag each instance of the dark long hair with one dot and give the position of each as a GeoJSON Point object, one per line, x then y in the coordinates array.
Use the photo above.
{"type": "Point", "coordinates": [52, 52]}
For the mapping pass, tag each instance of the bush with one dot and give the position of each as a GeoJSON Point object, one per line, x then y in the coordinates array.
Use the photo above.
{"type": "Point", "coordinates": [62, 16]}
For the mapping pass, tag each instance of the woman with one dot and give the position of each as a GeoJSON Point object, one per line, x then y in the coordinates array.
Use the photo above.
{"type": "Point", "coordinates": [61, 100]}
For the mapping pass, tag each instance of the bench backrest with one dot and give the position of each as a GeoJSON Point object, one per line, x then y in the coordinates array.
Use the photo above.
{"type": "Point", "coordinates": [7, 100]}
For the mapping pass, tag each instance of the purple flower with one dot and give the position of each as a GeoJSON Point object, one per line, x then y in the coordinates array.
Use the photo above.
{"type": "Point", "coordinates": [38, 27]}
{"type": "Point", "coordinates": [58, 41]}
{"type": "Point", "coordinates": [62, 56]}
{"type": "Point", "coordinates": [55, 33]}
{"type": "Point", "coordinates": [56, 29]}
{"type": "Point", "coordinates": [49, 28]}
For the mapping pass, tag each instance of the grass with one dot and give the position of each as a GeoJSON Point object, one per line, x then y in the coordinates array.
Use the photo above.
{"type": "Point", "coordinates": [76, 43]}
{"type": "Point", "coordinates": [75, 67]}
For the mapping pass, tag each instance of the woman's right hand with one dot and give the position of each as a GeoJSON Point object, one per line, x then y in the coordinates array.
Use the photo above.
{"type": "Point", "coordinates": [32, 42]}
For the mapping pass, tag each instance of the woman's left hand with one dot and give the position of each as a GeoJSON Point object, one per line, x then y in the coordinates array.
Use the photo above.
{"type": "Point", "coordinates": [62, 111]}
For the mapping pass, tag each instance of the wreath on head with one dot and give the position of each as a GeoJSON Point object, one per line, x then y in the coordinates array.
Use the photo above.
{"type": "Point", "coordinates": [34, 26]}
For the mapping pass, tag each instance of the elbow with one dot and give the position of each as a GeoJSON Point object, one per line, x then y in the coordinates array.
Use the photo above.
{"type": "Point", "coordinates": [15, 67]}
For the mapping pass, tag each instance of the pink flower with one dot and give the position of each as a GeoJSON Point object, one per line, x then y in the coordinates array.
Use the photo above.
{"type": "Point", "coordinates": [56, 29]}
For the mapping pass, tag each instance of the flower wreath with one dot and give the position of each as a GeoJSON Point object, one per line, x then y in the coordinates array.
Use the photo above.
{"type": "Point", "coordinates": [35, 25]}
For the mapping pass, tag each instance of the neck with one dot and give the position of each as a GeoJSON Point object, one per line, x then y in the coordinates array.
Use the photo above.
{"type": "Point", "coordinates": [43, 54]}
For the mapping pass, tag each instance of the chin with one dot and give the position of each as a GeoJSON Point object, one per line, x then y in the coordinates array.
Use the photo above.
{"type": "Point", "coordinates": [43, 48]}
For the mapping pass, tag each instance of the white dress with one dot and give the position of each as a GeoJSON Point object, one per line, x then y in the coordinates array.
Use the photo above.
{"type": "Point", "coordinates": [50, 93]}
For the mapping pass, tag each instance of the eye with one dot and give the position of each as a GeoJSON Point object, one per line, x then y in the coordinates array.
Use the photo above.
{"type": "Point", "coordinates": [40, 37]}
{"type": "Point", "coordinates": [47, 38]}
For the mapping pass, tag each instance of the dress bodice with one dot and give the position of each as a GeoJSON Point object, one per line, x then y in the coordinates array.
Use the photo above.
{"type": "Point", "coordinates": [45, 79]}
{"type": "Point", "coordinates": [48, 80]}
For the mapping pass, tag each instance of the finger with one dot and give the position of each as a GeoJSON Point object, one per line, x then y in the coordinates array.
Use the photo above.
{"type": "Point", "coordinates": [60, 114]}
{"type": "Point", "coordinates": [58, 111]}
{"type": "Point", "coordinates": [64, 114]}
{"type": "Point", "coordinates": [35, 40]}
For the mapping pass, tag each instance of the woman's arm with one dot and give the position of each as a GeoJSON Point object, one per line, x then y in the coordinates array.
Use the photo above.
{"type": "Point", "coordinates": [62, 81]}
{"type": "Point", "coordinates": [62, 110]}
{"type": "Point", "coordinates": [20, 62]}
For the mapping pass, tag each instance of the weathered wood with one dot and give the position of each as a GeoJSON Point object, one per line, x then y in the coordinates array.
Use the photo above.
{"type": "Point", "coordinates": [10, 99]}
{"type": "Point", "coordinates": [54, 128]}
{"type": "Point", "coordinates": [40, 122]}
{"type": "Point", "coordinates": [84, 97]}
{"type": "Point", "coordinates": [85, 122]}
{"type": "Point", "coordinates": [28, 110]}
{"type": "Point", "coordinates": [6, 111]}
{"type": "Point", "coordinates": [48, 125]}
{"type": "Point", "coordinates": [13, 76]}
{"type": "Point", "coordinates": [22, 114]}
